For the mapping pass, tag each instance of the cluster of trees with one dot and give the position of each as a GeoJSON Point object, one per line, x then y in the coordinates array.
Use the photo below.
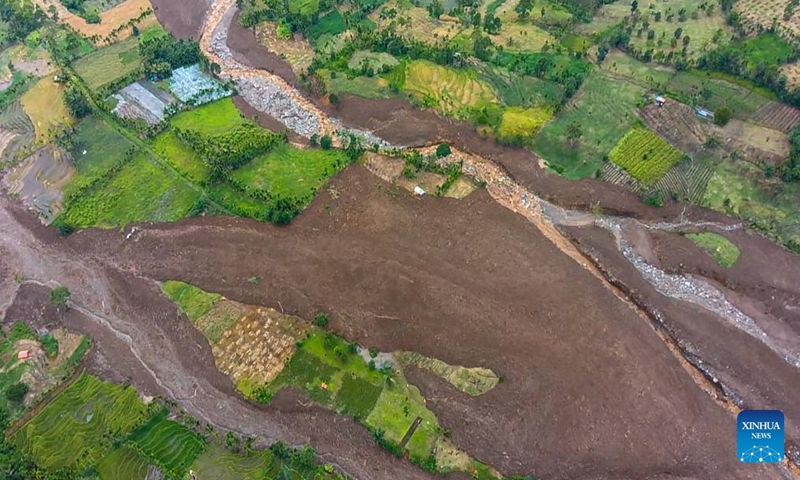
{"type": "Point", "coordinates": [790, 170]}
{"type": "Point", "coordinates": [162, 53]}
{"type": "Point", "coordinates": [568, 71]}
{"type": "Point", "coordinates": [78, 7]}
{"type": "Point", "coordinates": [22, 17]}
{"type": "Point", "coordinates": [230, 151]}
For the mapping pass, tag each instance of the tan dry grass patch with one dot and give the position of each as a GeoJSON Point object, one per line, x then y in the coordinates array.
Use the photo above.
{"type": "Point", "coordinates": [110, 20]}
{"type": "Point", "coordinates": [258, 345]}
{"type": "Point", "coordinates": [297, 51]}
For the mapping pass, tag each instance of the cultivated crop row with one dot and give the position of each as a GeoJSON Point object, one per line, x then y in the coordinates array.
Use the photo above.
{"type": "Point", "coordinates": [644, 155]}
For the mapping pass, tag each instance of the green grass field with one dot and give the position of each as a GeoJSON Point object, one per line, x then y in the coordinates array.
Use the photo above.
{"type": "Point", "coordinates": [366, 87]}
{"type": "Point", "coordinates": [719, 247]}
{"type": "Point", "coordinates": [217, 463]}
{"type": "Point", "coordinates": [603, 118]}
{"type": "Point", "coordinates": [171, 149]}
{"type": "Point", "coordinates": [237, 202]}
{"type": "Point", "coordinates": [168, 444]}
{"type": "Point", "coordinates": [710, 90]}
{"type": "Point", "coordinates": [193, 301]}
{"type": "Point", "coordinates": [77, 428]}
{"type": "Point", "coordinates": [644, 155]}
{"type": "Point", "coordinates": [214, 118]}
{"type": "Point", "coordinates": [377, 60]}
{"type": "Point", "coordinates": [122, 464]}
{"type": "Point", "coordinates": [108, 64]}
{"type": "Point", "coordinates": [698, 25]}
{"type": "Point", "coordinates": [330, 24]}
{"type": "Point", "coordinates": [103, 145]}
{"type": "Point", "coordinates": [288, 172]}
{"type": "Point", "coordinates": [767, 49]}
{"type": "Point", "coordinates": [141, 191]}
{"type": "Point", "coordinates": [738, 189]}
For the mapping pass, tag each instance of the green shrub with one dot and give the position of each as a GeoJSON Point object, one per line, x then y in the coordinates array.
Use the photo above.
{"type": "Point", "coordinates": [16, 392]}
{"type": "Point", "coordinates": [321, 320]}
{"type": "Point", "coordinates": [49, 344]}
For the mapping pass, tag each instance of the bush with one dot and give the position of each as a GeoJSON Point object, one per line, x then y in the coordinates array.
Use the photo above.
{"type": "Point", "coordinates": [49, 344]}
{"type": "Point", "coordinates": [16, 392]}
{"type": "Point", "coordinates": [321, 320]}
{"type": "Point", "coordinates": [722, 115]}
{"type": "Point", "coordinates": [59, 296]}
{"type": "Point", "coordinates": [443, 150]}
{"type": "Point", "coordinates": [280, 450]}
{"type": "Point", "coordinates": [373, 352]}
{"type": "Point", "coordinates": [326, 142]}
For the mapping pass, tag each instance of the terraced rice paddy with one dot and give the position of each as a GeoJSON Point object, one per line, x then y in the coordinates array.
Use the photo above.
{"type": "Point", "coordinates": [123, 463]}
{"type": "Point", "coordinates": [644, 155]}
{"type": "Point", "coordinates": [168, 444]}
{"type": "Point", "coordinates": [17, 129]}
{"type": "Point", "coordinates": [44, 106]}
{"type": "Point", "coordinates": [90, 413]}
{"type": "Point", "coordinates": [107, 64]}
{"type": "Point", "coordinates": [448, 90]}
{"type": "Point", "coordinates": [216, 463]}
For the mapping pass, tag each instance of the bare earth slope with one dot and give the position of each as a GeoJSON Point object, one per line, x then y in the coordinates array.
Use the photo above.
{"type": "Point", "coordinates": [590, 390]}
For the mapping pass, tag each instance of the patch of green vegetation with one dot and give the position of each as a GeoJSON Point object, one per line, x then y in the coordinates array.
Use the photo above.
{"type": "Point", "coordinates": [97, 148]}
{"type": "Point", "coordinates": [719, 247]}
{"type": "Point", "coordinates": [141, 191]}
{"type": "Point", "coordinates": [396, 410]}
{"type": "Point", "coordinates": [357, 396]}
{"type": "Point", "coordinates": [215, 118]}
{"type": "Point", "coordinates": [193, 301]}
{"type": "Point", "coordinates": [740, 189]}
{"type": "Point", "coordinates": [217, 463]}
{"type": "Point", "coordinates": [374, 88]}
{"type": "Point", "coordinates": [123, 463]}
{"type": "Point", "coordinates": [519, 125]}
{"type": "Point", "coordinates": [92, 414]}
{"type": "Point", "coordinates": [170, 445]}
{"type": "Point", "coordinates": [694, 87]}
{"type": "Point", "coordinates": [11, 370]}
{"type": "Point", "coordinates": [767, 49]}
{"type": "Point", "coordinates": [603, 119]}
{"type": "Point", "coordinates": [49, 344]}
{"type": "Point", "coordinates": [331, 23]}
{"type": "Point", "coordinates": [376, 60]}
{"type": "Point", "coordinates": [304, 7]}
{"type": "Point", "coordinates": [522, 90]}
{"type": "Point", "coordinates": [170, 148]}
{"type": "Point", "coordinates": [289, 172]}
{"type": "Point", "coordinates": [645, 155]}
{"type": "Point", "coordinates": [238, 202]}
{"type": "Point", "coordinates": [108, 64]}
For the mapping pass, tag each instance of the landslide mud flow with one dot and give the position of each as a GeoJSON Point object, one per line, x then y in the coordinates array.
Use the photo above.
{"type": "Point", "coordinates": [471, 283]}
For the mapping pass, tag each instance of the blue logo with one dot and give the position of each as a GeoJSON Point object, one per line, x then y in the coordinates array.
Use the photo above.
{"type": "Point", "coordinates": [760, 436]}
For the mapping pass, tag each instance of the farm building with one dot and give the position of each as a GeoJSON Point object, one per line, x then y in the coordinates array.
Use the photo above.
{"type": "Point", "coordinates": [23, 355]}
{"type": "Point", "coordinates": [660, 100]}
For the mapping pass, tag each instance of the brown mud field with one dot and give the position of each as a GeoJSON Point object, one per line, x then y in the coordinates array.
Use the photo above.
{"type": "Point", "coordinates": [589, 392]}
{"type": "Point", "coordinates": [183, 18]}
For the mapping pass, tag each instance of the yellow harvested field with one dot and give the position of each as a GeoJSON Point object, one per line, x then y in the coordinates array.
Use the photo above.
{"type": "Point", "coordinates": [297, 50]}
{"type": "Point", "coordinates": [110, 20]}
{"type": "Point", "coordinates": [44, 104]}
{"type": "Point", "coordinates": [254, 349]}
{"type": "Point", "coordinates": [416, 22]}
{"type": "Point", "coordinates": [448, 90]}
